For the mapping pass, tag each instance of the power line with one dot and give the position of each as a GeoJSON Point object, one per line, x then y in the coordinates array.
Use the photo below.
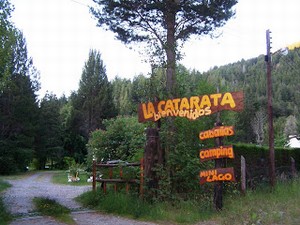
{"type": "Point", "coordinates": [80, 3]}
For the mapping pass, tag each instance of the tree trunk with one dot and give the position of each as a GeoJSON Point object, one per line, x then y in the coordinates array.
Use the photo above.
{"type": "Point", "coordinates": [153, 156]}
{"type": "Point", "coordinates": [170, 52]}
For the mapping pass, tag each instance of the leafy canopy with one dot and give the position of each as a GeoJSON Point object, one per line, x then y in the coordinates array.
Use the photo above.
{"type": "Point", "coordinates": [146, 20]}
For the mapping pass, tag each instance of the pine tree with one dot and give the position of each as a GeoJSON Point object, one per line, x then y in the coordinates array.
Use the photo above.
{"type": "Point", "coordinates": [18, 103]}
{"type": "Point", "coordinates": [163, 25]}
{"type": "Point", "coordinates": [94, 100]}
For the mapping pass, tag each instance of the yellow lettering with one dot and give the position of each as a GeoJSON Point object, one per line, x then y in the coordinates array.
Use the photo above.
{"type": "Point", "coordinates": [203, 174]}
{"type": "Point", "coordinates": [148, 113]}
{"type": "Point", "coordinates": [181, 113]}
{"type": "Point", "coordinates": [205, 101]}
{"type": "Point", "coordinates": [227, 99]}
{"type": "Point", "coordinates": [176, 103]}
{"type": "Point", "coordinates": [194, 103]}
{"type": "Point", "coordinates": [216, 98]}
{"type": "Point", "coordinates": [157, 116]}
{"type": "Point", "coordinates": [184, 104]}
{"type": "Point", "coordinates": [169, 105]}
{"type": "Point", "coordinates": [207, 111]}
{"type": "Point", "coordinates": [159, 106]}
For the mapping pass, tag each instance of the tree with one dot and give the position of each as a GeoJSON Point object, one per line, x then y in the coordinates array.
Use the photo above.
{"type": "Point", "coordinates": [291, 127]}
{"type": "Point", "coordinates": [93, 101]}
{"type": "Point", "coordinates": [6, 41]}
{"type": "Point", "coordinates": [50, 132]}
{"type": "Point", "coordinates": [258, 123]}
{"type": "Point", "coordinates": [18, 103]}
{"type": "Point", "coordinates": [123, 138]}
{"type": "Point", "coordinates": [122, 92]}
{"type": "Point", "coordinates": [163, 24]}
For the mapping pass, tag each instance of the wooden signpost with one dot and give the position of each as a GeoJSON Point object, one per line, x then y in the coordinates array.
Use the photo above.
{"type": "Point", "coordinates": [218, 174]}
{"type": "Point", "coordinates": [194, 108]}
{"type": "Point", "coordinates": [191, 108]}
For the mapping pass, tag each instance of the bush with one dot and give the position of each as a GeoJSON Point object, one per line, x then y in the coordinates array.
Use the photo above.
{"type": "Point", "coordinates": [122, 139]}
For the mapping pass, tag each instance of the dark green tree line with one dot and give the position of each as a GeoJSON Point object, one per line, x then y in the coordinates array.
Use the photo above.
{"type": "Point", "coordinates": [18, 101]}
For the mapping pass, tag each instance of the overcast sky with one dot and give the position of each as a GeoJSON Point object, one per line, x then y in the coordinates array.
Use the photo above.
{"type": "Point", "coordinates": [60, 33]}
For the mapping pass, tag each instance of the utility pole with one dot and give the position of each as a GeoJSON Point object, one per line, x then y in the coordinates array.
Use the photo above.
{"type": "Point", "coordinates": [268, 60]}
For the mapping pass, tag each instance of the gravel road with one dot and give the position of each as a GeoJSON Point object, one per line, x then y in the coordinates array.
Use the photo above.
{"type": "Point", "coordinates": [18, 200]}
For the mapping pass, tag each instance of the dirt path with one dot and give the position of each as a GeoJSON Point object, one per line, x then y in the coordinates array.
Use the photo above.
{"type": "Point", "coordinates": [18, 200]}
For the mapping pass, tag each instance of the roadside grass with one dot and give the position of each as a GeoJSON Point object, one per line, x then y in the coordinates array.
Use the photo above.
{"type": "Point", "coordinates": [17, 176]}
{"type": "Point", "coordinates": [183, 212]}
{"type": "Point", "coordinates": [61, 177]}
{"type": "Point", "coordinates": [5, 216]}
{"type": "Point", "coordinates": [49, 207]}
{"type": "Point", "coordinates": [264, 206]}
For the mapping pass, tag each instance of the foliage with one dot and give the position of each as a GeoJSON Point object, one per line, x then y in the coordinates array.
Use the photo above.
{"type": "Point", "coordinates": [122, 92]}
{"type": "Point", "coordinates": [76, 169]}
{"type": "Point", "coordinates": [279, 206]}
{"type": "Point", "coordinates": [5, 216]}
{"type": "Point", "coordinates": [61, 178]}
{"type": "Point", "coordinates": [249, 76]}
{"type": "Point", "coordinates": [185, 212]}
{"type": "Point", "coordinates": [123, 138]}
{"type": "Point", "coordinates": [93, 101]}
{"type": "Point", "coordinates": [257, 163]}
{"type": "Point", "coordinates": [163, 25]}
{"type": "Point", "coordinates": [18, 103]}
{"type": "Point", "coordinates": [50, 207]}
{"type": "Point", "coordinates": [50, 140]}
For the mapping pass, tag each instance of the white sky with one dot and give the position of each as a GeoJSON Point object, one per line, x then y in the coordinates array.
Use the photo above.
{"type": "Point", "coordinates": [60, 33]}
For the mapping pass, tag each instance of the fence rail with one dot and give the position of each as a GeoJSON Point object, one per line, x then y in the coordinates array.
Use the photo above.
{"type": "Point", "coordinates": [121, 179]}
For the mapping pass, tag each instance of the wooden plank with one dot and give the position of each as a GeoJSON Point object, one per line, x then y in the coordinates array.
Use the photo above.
{"type": "Point", "coordinates": [243, 175]}
{"type": "Point", "coordinates": [116, 180]}
{"type": "Point", "coordinates": [94, 175]}
{"type": "Point", "coordinates": [117, 165]}
{"type": "Point", "coordinates": [216, 175]}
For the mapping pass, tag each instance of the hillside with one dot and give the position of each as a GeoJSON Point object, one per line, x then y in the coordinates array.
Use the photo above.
{"type": "Point", "coordinates": [250, 76]}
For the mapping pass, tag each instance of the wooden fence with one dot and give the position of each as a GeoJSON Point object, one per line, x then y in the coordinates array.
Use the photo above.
{"type": "Point", "coordinates": [120, 178]}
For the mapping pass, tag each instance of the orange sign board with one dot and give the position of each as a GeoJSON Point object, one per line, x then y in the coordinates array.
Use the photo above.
{"type": "Point", "coordinates": [216, 153]}
{"type": "Point", "coordinates": [216, 175]}
{"type": "Point", "coordinates": [216, 132]}
{"type": "Point", "coordinates": [191, 108]}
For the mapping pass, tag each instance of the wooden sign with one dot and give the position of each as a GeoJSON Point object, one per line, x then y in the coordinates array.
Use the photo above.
{"type": "Point", "coordinates": [216, 153]}
{"type": "Point", "coordinates": [191, 108]}
{"type": "Point", "coordinates": [216, 132]}
{"type": "Point", "coordinates": [216, 175]}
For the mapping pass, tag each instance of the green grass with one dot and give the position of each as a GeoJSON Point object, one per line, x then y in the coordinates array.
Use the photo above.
{"type": "Point", "coordinates": [183, 212]}
{"type": "Point", "coordinates": [5, 216]}
{"type": "Point", "coordinates": [49, 207]}
{"type": "Point", "coordinates": [61, 177]}
{"type": "Point", "coordinates": [262, 206]}
{"type": "Point", "coordinates": [265, 206]}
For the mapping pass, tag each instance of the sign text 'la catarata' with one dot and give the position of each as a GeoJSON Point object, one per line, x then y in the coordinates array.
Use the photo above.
{"type": "Point", "coordinates": [191, 108]}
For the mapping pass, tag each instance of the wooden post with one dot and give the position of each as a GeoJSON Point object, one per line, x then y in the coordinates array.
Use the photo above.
{"type": "Point", "coordinates": [293, 168]}
{"type": "Point", "coordinates": [110, 172]}
{"type": "Point", "coordinates": [104, 187]}
{"type": "Point", "coordinates": [94, 175]}
{"type": "Point", "coordinates": [121, 172]}
{"type": "Point", "coordinates": [243, 175]}
{"type": "Point", "coordinates": [219, 163]}
{"type": "Point", "coordinates": [268, 60]}
{"type": "Point", "coordinates": [142, 178]}
{"type": "Point", "coordinates": [153, 156]}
